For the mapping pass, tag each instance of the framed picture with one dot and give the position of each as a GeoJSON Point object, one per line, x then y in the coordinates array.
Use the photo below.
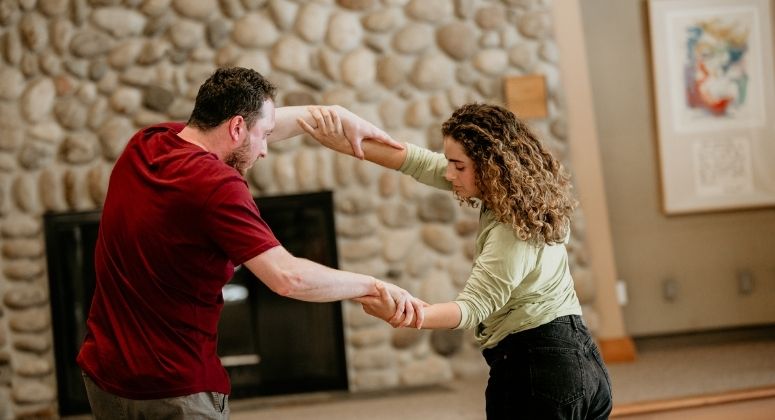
{"type": "Point", "coordinates": [714, 77]}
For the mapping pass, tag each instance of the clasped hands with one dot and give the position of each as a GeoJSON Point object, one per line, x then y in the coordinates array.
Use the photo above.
{"type": "Point", "coordinates": [394, 305]}
{"type": "Point", "coordinates": [338, 129]}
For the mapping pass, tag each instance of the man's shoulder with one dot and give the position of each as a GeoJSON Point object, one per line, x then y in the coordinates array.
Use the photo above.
{"type": "Point", "coordinates": [216, 174]}
{"type": "Point", "coordinates": [164, 127]}
{"type": "Point", "coordinates": [149, 132]}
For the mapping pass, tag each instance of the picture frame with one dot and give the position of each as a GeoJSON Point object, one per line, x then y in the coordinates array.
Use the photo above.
{"type": "Point", "coordinates": [714, 95]}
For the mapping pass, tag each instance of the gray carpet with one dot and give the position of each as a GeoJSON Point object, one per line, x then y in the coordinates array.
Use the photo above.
{"type": "Point", "coordinates": [698, 364]}
{"type": "Point", "coordinates": [666, 368]}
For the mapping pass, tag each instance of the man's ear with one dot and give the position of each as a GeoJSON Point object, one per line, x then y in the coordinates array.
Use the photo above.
{"type": "Point", "coordinates": [236, 128]}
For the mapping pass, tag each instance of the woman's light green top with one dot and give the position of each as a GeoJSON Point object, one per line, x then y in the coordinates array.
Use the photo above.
{"type": "Point", "coordinates": [514, 285]}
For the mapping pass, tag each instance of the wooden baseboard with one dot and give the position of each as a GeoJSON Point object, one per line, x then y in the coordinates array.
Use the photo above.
{"type": "Point", "coordinates": [645, 407]}
{"type": "Point", "coordinates": [617, 349]}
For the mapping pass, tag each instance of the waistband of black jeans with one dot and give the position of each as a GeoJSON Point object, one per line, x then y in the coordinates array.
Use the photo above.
{"type": "Point", "coordinates": [575, 320]}
{"type": "Point", "coordinates": [504, 346]}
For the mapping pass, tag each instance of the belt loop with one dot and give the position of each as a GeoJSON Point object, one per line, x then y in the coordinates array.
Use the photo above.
{"type": "Point", "coordinates": [574, 320]}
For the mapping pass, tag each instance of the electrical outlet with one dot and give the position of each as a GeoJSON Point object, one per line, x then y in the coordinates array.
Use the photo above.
{"type": "Point", "coordinates": [670, 289]}
{"type": "Point", "coordinates": [744, 282]}
{"type": "Point", "coordinates": [621, 292]}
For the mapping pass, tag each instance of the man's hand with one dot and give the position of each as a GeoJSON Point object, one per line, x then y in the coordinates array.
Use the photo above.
{"type": "Point", "coordinates": [356, 129]}
{"type": "Point", "coordinates": [394, 305]}
{"type": "Point", "coordinates": [329, 131]}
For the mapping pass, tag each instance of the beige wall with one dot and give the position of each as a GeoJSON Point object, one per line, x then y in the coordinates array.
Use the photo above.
{"type": "Point", "coordinates": [585, 158]}
{"type": "Point", "coordinates": [702, 252]}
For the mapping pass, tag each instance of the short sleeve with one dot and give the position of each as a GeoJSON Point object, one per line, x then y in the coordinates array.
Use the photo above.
{"type": "Point", "coordinates": [233, 222]}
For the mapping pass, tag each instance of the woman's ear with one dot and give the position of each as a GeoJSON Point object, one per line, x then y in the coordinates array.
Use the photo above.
{"type": "Point", "coordinates": [236, 128]}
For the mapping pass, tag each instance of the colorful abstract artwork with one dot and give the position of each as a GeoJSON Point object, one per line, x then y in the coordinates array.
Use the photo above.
{"type": "Point", "coordinates": [715, 67]}
{"type": "Point", "coordinates": [716, 75]}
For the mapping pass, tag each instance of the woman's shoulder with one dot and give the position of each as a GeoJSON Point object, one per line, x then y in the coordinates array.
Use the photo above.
{"type": "Point", "coordinates": [503, 234]}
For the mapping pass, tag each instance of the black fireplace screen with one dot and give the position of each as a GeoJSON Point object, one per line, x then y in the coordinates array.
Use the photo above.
{"type": "Point", "coordinates": [269, 344]}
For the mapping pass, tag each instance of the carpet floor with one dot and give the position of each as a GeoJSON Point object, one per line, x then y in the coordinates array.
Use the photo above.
{"type": "Point", "coordinates": [666, 368]}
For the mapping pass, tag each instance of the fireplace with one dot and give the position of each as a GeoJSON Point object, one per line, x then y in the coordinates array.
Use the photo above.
{"type": "Point", "coordinates": [268, 343]}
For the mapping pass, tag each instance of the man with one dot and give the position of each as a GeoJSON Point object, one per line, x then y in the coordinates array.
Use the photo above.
{"type": "Point", "coordinates": [178, 217]}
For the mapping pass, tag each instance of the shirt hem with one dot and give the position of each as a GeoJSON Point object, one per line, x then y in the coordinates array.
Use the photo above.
{"type": "Point", "coordinates": [167, 393]}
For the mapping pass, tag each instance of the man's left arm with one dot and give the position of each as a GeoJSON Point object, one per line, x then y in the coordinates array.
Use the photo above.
{"type": "Point", "coordinates": [356, 128]}
{"type": "Point", "coordinates": [285, 122]}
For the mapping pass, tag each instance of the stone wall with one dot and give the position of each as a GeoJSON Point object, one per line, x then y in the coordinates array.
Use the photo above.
{"type": "Point", "coordinates": [78, 77]}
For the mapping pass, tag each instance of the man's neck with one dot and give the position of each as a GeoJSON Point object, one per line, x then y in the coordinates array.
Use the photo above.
{"type": "Point", "coordinates": [207, 140]}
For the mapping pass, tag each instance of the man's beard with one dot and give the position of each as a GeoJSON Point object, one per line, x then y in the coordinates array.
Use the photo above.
{"type": "Point", "coordinates": [239, 158]}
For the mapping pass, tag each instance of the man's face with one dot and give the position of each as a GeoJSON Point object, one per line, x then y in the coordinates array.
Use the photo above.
{"type": "Point", "coordinates": [254, 144]}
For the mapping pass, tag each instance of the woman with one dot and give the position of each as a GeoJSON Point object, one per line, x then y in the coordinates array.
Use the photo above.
{"type": "Point", "coordinates": [519, 297]}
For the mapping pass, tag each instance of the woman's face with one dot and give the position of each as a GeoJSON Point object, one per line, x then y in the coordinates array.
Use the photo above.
{"type": "Point", "coordinates": [460, 170]}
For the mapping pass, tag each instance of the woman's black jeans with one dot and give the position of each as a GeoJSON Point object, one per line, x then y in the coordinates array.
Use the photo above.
{"type": "Point", "coordinates": [550, 372]}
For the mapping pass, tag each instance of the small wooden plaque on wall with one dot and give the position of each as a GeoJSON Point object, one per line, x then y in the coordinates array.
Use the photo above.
{"type": "Point", "coordinates": [526, 95]}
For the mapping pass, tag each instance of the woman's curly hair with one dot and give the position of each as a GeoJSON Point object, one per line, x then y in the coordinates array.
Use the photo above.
{"type": "Point", "coordinates": [519, 180]}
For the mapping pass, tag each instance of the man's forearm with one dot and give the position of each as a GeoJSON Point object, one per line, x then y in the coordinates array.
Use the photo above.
{"type": "Point", "coordinates": [285, 122]}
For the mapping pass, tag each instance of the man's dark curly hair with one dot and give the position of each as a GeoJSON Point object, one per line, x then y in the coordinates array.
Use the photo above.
{"type": "Point", "coordinates": [519, 180]}
{"type": "Point", "coordinates": [230, 92]}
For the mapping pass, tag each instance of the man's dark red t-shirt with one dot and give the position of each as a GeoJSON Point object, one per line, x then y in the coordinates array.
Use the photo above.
{"type": "Point", "coordinates": [176, 220]}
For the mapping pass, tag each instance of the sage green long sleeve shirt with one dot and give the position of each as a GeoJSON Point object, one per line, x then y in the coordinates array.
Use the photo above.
{"type": "Point", "coordinates": [514, 285]}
